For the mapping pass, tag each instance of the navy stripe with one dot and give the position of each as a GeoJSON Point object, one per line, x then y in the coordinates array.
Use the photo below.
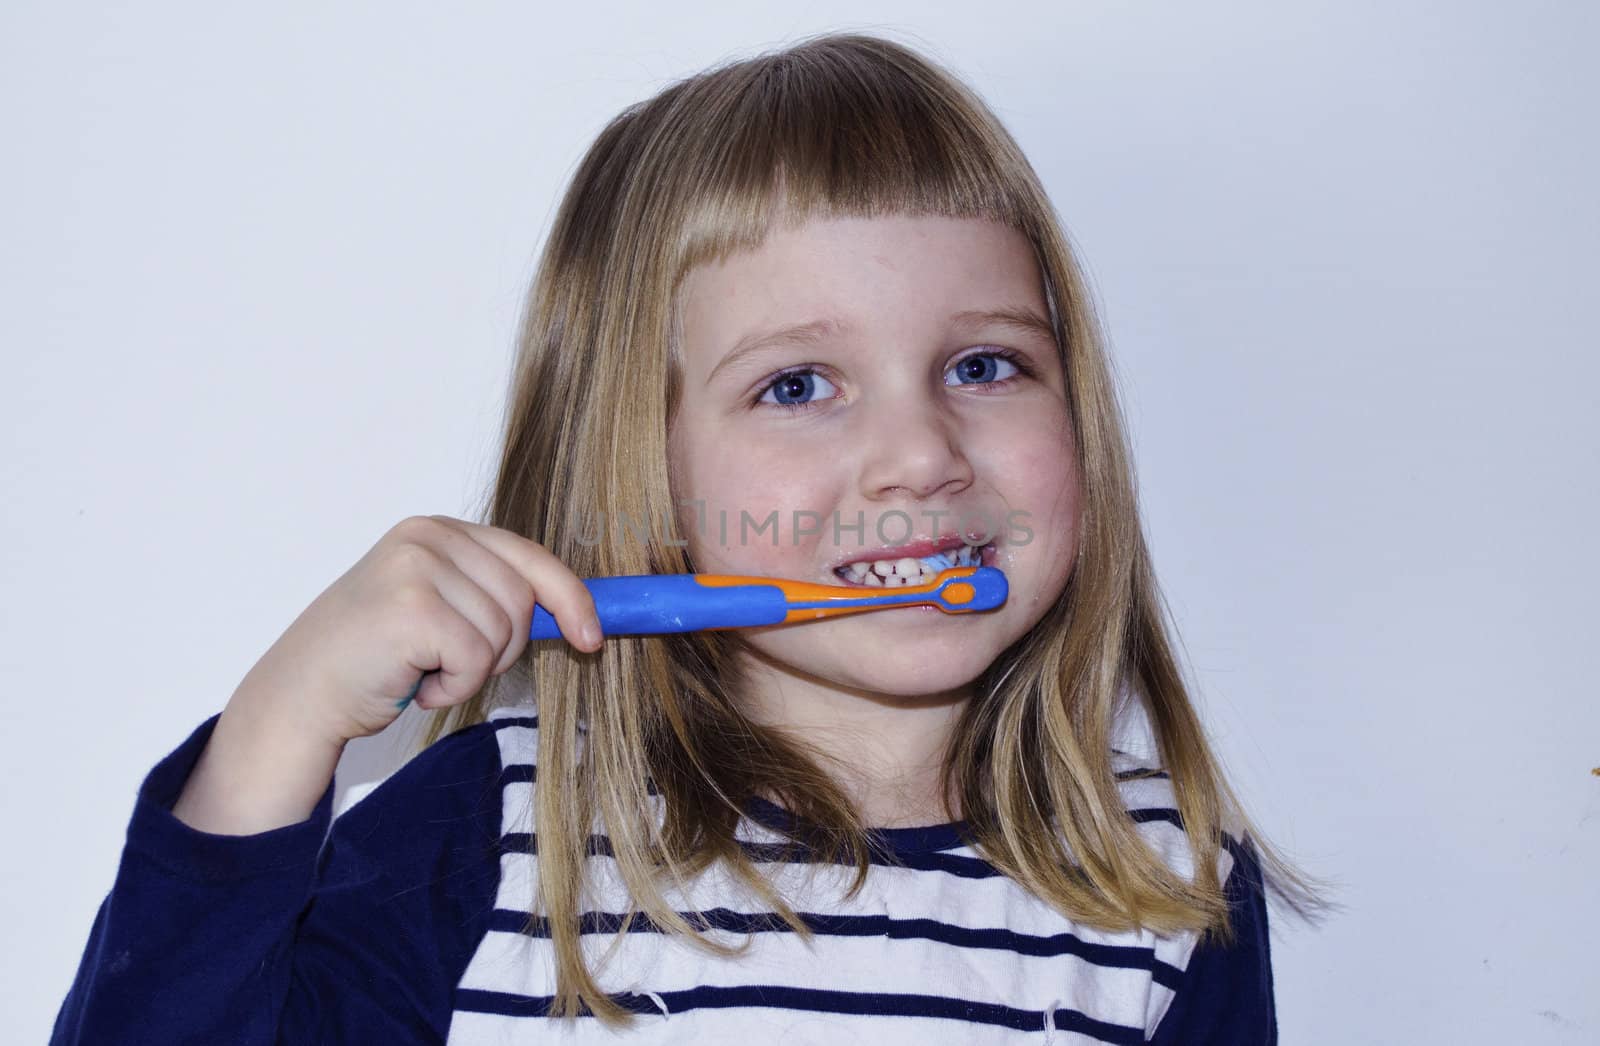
{"type": "Point", "coordinates": [900, 841]}
{"type": "Point", "coordinates": [526, 772]}
{"type": "Point", "coordinates": [1143, 775]}
{"type": "Point", "coordinates": [936, 861]}
{"type": "Point", "coordinates": [931, 861]}
{"type": "Point", "coordinates": [815, 1000]}
{"type": "Point", "coordinates": [1165, 974]}
{"type": "Point", "coordinates": [1127, 957]}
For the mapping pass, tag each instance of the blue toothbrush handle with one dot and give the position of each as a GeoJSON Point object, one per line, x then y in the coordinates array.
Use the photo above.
{"type": "Point", "coordinates": [633, 604]}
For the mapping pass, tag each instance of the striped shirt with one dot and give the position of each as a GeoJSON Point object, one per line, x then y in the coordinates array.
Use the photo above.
{"type": "Point", "coordinates": [405, 922]}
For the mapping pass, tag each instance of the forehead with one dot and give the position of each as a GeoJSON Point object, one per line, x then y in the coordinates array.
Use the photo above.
{"type": "Point", "coordinates": [871, 273]}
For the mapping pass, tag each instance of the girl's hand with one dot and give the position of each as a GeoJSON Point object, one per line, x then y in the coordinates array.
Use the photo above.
{"type": "Point", "coordinates": [438, 600]}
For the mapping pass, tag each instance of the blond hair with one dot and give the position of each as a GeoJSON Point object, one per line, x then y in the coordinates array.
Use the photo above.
{"type": "Point", "coordinates": [838, 125]}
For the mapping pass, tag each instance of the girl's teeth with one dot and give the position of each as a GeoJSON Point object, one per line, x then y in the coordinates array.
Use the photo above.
{"type": "Point", "coordinates": [893, 573]}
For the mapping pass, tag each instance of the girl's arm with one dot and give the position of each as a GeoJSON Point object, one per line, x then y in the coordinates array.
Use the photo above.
{"type": "Point", "coordinates": [286, 935]}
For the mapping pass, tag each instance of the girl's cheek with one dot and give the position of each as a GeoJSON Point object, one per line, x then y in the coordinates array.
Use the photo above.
{"type": "Point", "coordinates": [750, 525]}
{"type": "Point", "coordinates": [1043, 453]}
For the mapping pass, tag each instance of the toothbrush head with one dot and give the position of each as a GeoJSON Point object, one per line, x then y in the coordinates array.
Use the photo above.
{"type": "Point", "coordinates": [958, 590]}
{"type": "Point", "coordinates": [962, 590]}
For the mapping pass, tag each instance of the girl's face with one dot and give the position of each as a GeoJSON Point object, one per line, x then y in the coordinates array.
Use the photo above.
{"type": "Point", "coordinates": [902, 416]}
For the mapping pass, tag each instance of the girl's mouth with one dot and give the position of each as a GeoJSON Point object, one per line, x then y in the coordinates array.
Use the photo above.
{"type": "Point", "coordinates": [902, 571]}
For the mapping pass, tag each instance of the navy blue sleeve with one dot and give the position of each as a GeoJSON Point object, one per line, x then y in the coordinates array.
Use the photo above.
{"type": "Point", "coordinates": [299, 934]}
{"type": "Point", "coordinates": [1225, 997]}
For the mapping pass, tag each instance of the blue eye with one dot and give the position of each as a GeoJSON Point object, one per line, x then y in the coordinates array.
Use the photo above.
{"type": "Point", "coordinates": [793, 389]}
{"type": "Point", "coordinates": [984, 367]}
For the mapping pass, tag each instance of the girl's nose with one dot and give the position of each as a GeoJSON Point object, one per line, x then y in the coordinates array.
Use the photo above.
{"type": "Point", "coordinates": [916, 449]}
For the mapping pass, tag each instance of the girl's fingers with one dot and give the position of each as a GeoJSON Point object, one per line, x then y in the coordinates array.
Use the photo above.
{"type": "Point", "coordinates": [524, 573]}
{"type": "Point", "coordinates": [453, 621]}
{"type": "Point", "coordinates": [511, 592]}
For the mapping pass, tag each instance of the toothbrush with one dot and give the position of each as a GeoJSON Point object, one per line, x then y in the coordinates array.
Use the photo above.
{"type": "Point", "coordinates": [650, 604]}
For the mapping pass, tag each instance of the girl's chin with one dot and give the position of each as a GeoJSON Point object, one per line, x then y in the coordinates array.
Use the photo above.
{"type": "Point", "coordinates": [904, 673]}
{"type": "Point", "coordinates": [892, 657]}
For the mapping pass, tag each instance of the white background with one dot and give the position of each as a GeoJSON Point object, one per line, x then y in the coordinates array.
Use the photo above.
{"type": "Point", "coordinates": [260, 275]}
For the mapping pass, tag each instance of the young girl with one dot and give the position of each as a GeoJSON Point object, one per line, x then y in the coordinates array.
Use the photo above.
{"type": "Point", "coordinates": [806, 316]}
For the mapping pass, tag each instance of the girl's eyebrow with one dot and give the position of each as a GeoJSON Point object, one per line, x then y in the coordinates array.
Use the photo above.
{"type": "Point", "coordinates": [1019, 319]}
{"type": "Point", "coordinates": [795, 334]}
